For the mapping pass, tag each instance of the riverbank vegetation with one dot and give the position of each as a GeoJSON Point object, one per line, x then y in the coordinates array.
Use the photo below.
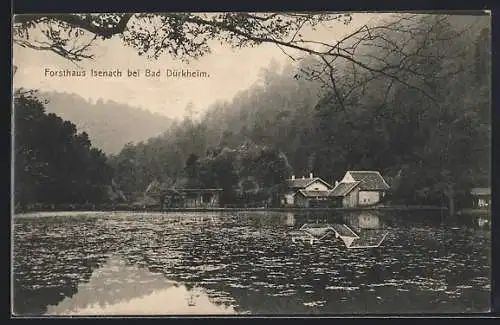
{"type": "Point", "coordinates": [53, 162]}
{"type": "Point", "coordinates": [420, 115]}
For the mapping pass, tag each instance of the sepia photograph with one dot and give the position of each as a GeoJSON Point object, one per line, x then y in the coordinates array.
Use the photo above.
{"type": "Point", "coordinates": [251, 163]}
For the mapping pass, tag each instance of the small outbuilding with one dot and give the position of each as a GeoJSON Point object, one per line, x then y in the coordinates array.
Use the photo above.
{"type": "Point", "coordinates": [481, 197]}
{"type": "Point", "coordinates": [307, 190]}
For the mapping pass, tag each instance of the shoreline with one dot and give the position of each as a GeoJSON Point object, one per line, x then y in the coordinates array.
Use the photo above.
{"type": "Point", "coordinates": [181, 210]}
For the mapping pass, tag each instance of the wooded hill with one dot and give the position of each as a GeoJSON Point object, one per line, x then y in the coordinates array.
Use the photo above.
{"type": "Point", "coordinates": [412, 103]}
{"type": "Point", "coordinates": [110, 125]}
{"type": "Point", "coordinates": [426, 128]}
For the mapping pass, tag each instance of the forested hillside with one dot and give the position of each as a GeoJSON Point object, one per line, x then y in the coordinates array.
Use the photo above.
{"type": "Point", "coordinates": [54, 163]}
{"type": "Point", "coordinates": [426, 126]}
{"type": "Point", "coordinates": [110, 125]}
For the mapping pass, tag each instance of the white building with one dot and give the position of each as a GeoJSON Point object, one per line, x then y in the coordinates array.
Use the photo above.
{"type": "Point", "coordinates": [309, 188]}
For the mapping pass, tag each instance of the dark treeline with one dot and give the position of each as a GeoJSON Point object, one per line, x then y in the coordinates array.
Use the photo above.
{"type": "Point", "coordinates": [431, 142]}
{"type": "Point", "coordinates": [53, 163]}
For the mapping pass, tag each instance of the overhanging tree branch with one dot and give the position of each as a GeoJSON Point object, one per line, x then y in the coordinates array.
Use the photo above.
{"type": "Point", "coordinates": [186, 35]}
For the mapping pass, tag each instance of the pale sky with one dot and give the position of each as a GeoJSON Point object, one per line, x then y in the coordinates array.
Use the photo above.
{"type": "Point", "coordinates": [230, 72]}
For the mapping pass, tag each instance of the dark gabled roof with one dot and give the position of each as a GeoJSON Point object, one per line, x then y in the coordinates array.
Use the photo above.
{"type": "Point", "coordinates": [370, 180]}
{"type": "Point", "coordinates": [342, 189]}
{"type": "Point", "coordinates": [299, 183]}
{"type": "Point", "coordinates": [480, 191]}
{"type": "Point", "coordinates": [314, 193]}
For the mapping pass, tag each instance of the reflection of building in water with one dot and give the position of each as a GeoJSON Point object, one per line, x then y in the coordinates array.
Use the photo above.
{"type": "Point", "coordinates": [482, 222]}
{"type": "Point", "coordinates": [365, 234]}
{"type": "Point", "coordinates": [289, 219]}
{"type": "Point", "coordinates": [367, 227]}
{"type": "Point", "coordinates": [363, 220]}
{"type": "Point", "coordinates": [201, 218]}
{"type": "Point", "coordinates": [311, 233]}
{"type": "Point", "coordinates": [365, 239]}
{"type": "Point", "coordinates": [121, 289]}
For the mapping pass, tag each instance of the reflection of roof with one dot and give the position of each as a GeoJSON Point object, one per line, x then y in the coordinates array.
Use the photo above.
{"type": "Point", "coordinates": [304, 182]}
{"type": "Point", "coordinates": [315, 225]}
{"type": "Point", "coordinates": [342, 189]}
{"type": "Point", "coordinates": [314, 193]}
{"type": "Point", "coordinates": [370, 180]}
{"type": "Point", "coordinates": [480, 191]}
{"type": "Point", "coordinates": [205, 190]}
{"type": "Point", "coordinates": [366, 241]}
{"type": "Point", "coordinates": [319, 231]}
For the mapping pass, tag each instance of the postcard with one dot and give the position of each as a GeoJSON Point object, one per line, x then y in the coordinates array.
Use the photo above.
{"type": "Point", "coordinates": [251, 163]}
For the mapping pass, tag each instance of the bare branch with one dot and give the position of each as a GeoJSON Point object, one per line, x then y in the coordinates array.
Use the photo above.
{"type": "Point", "coordinates": [185, 35]}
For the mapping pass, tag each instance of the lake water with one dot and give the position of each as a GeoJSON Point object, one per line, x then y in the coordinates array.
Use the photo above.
{"type": "Point", "coordinates": [245, 263]}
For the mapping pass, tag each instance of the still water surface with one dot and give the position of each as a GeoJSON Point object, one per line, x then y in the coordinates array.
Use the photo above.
{"type": "Point", "coordinates": [245, 263]}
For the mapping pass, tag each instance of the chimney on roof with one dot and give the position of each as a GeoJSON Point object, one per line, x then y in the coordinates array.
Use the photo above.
{"type": "Point", "coordinates": [311, 175]}
{"type": "Point", "coordinates": [336, 183]}
{"type": "Point", "coordinates": [293, 177]}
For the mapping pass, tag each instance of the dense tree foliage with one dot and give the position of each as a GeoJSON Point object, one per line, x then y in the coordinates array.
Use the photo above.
{"type": "Point", "coordinates": [432, 146]}
{"type": "Point", "coordinates": [439, 147]}
{"type": "Point", "coordinates": [188, 36]}
{"type": "Point", "coordinates": [409, 97]}
{"type": "Point", "coordinates": [184, 35]}
{"type": "Point", "coordinates": [53, 163]}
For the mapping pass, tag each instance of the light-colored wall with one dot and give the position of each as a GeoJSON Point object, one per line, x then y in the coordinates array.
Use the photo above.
{"type": "Point", "coordinates": [347, 178]}
{"type": "Point", "coordinates": [368, 197]}
{"type": "Point", "coordinates": [317, 186]}
{"type": "Point", "coordinates": [289, 198]}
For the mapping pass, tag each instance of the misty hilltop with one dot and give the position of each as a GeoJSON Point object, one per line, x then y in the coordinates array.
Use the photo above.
{"type": "Point", "coordinates": [109, 124]}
